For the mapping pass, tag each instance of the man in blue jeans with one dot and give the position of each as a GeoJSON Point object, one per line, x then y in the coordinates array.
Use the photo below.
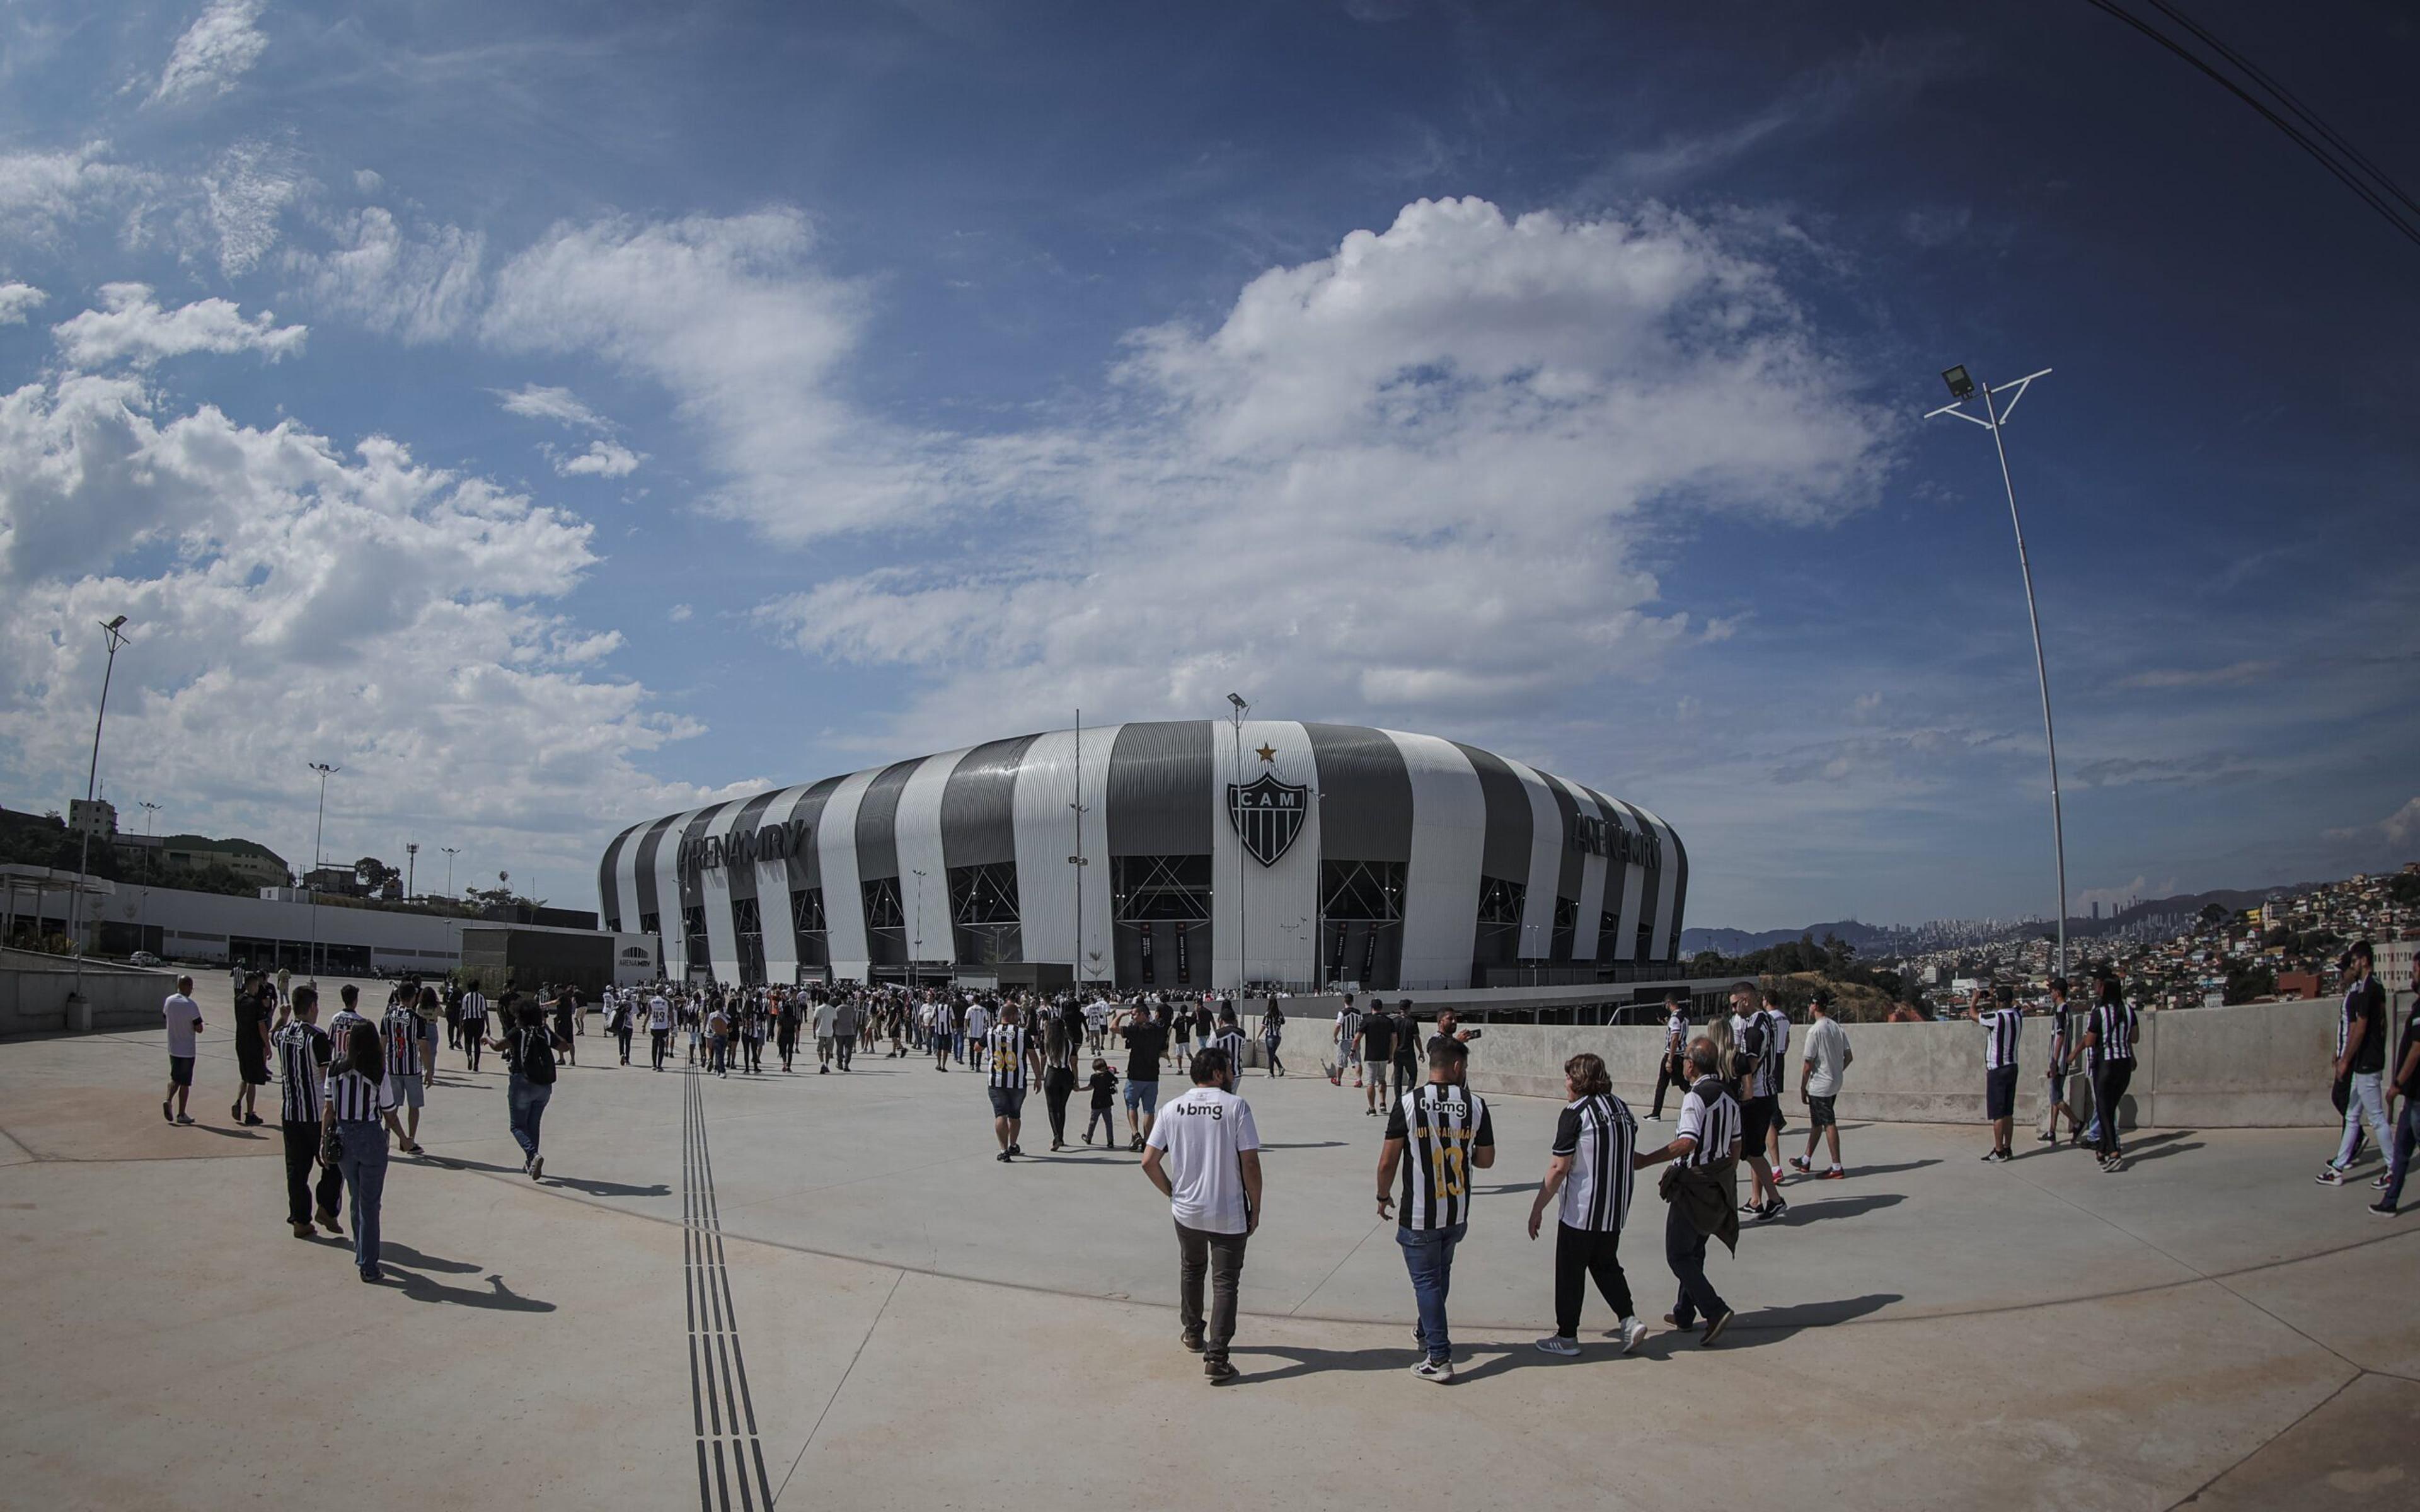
{"type": "Point", "coordinates": [2403, 1080]}
{"type": "Point", "coordinates": [1444, 1127]}
{"type": "Point", "coordinates": [528, 1050]}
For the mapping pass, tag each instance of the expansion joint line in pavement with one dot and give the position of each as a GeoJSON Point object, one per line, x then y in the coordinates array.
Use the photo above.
{"type": "Point", "coordinates": [722, 1414]}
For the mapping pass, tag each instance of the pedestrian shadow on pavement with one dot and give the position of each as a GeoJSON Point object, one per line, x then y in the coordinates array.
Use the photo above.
{"type": "Point", "coordinates": [496, 1297]}
{"type": "Point", "coordinates": [405, 1255]}
{"type": "Point", "coordinates": [1771, 1325]}
{"type": "Point", "coordinates": [593, 1187]}
{"type": "Point", "coordinates": [228, 1134]}
{"type": "Point", "coordinates": [2139, 1154]}
{"type": "Point", "coordinates": [1891, 1170]}
{"type": "Point", "coordinates": [1807, 1212]}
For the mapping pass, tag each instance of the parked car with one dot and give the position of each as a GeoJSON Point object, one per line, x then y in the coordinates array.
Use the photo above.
{"type": "Point", "coordinates": [145, 958]}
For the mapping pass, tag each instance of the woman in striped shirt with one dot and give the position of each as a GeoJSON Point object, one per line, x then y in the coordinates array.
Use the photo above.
{"type": "Point", "coordinates": [359, 1104]}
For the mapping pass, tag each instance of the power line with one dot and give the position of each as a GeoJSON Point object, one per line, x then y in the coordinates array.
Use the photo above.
{"type": "Point", "coordinates": [2317, 153]}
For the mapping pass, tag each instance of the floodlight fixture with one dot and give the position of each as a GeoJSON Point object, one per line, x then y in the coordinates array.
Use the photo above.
{"type": "Point", "coordinates": [1961, 385]}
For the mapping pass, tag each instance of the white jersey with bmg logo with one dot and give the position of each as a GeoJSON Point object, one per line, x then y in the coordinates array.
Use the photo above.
{"type": "Point", "coordinates": [1205, 1134]}
{"type": "Point", "coordinates": [1441, 1126]}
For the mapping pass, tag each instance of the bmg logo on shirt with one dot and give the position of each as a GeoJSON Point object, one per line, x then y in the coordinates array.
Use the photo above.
{"type": "Point", "coordinates": [1216, 1111]}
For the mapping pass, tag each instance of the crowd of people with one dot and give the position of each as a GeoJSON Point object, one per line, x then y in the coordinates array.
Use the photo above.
{"type": "Point", "coordinates": [352, 1087]}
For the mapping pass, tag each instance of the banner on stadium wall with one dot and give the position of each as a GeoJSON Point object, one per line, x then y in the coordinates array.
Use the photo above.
{"type": "Point", "coordinates": [1149, 979]}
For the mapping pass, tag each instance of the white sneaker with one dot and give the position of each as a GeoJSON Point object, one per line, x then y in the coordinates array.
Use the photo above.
{"type": "Point", "coordinates": [1441, 1371]}
{"type": "Point", "coordinates": [1633, 1331]}
{"type": "Point", "coordinates": [1556, 1344]}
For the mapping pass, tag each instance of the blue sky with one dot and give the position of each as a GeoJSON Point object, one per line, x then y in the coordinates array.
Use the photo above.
{"type": "Point", "coordinates": [556, 414]}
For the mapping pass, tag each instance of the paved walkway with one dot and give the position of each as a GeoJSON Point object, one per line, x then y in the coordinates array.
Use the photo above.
{"type": "Point", "coordinates": [774, 1291]}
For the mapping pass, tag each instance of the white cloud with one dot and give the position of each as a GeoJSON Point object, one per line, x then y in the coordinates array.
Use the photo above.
{"type": "Point", "coordinates": [130, 327]}
{"type": "Point", "coordinates": [43, 193]}
{"type": "Point", "coordinates": [537, 402]}
{"type": "Point", "coordinates": [2233, 675]}
{"type": "Point", "coordinates": [220, 46]}
{"type": "Point", "coordinates": [1405, 481]}
{"type": "Point", "coordinates": [369, 181]}
{"type": "Point", "coordinates": [2397, 828]}
{"type": "Point", "coordinates": [17, 301]}
{"type": "Point", "coordinates": [603, 459]}
{"type": "Point", "coordinates": [313, 602]}
{"type": "Point", "coordinates": [421, 289]}
{"type": "Point", "coordinates": [732, 319]}
{"type": "Point", "coordinates": [680, 613]}
{"type": "Point", "coordinates": [244, 193]}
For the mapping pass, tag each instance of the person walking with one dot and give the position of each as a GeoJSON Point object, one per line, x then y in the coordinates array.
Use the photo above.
{"type": "Point", "coordinates": [357, 1113]}
{"type": "Point", "coordinates": [1698, 1191]}
{"type": "Point", "coordinates": [845, 1026]}
{"type": "Point", "coordinates": [1228, 1038]}
{"type": "Point", "coordinates": [2001, 1025]}
{"type": "Point", "coordinates": [473, 1011]}
{"type": "Point", "coordinates": [622, 1018]}
{"type": "Point", "coordinates": [529, 1048]}
{"type": "Point", "coordinates": [660, 1028]}
{"type": "Point", "coordinates": [2109, 1050]}
{"type": "Point", "coordinates": [566, 1024]}
{"type": "Point", "coordinates": [1673, 1070]}
{"type": "Point", "coordinates": [400, 1044]}
{"type": "Point", "coordinates": [285, 986]}
{"type": "Point", "coordinates": [1009, 1052]}
{"type": "Point", "coordinates": [2062, 1053]}
{"type": "Point", "coordinates": [1589, 1175]}
{"type": "Point", "coordinates": [2360, 1064]}
{"type": "Point", "coordinates": [1824, 1064]}
{"type": "Point", "coordinates": [1377, 1053]}
{"type": "Point", "coordinates": [1445, 1129]}
{"type": "Point", "coordinates": [1203, 1154]}
{"type": "Point", "coordinates": [1102, 1085]}
{"type": "Point", "coordinates": [1146, 1040]}
{"type": "Point", "coordinates": [453, 1017]}
{"type": "Point", "coordinates": [1272, 1032]}
{"type": "Point", "coordinates": [1759, 1092]}
{"type": "Point", "coordinates": [1407, 1048]}
{"type": "Point", "coordinates": [1058, 1075]}
{"type": "Point", "coordinates": [184, 1020]}
{"type": "Point", "coordinates": [1347, 1047]}
{"type": "Point", "coordinates": [303, 1056]}
{"type": "Point", "coordinates": [253, 1012]}
{"type": "Point", "coordinates": [2404, 1082]}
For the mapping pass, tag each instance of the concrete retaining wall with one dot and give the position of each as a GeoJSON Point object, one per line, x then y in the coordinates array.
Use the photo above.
{"type": "Point", "coordinates": [2260, 1065]}
{"type": "Point", "coordinates": [34, 996]}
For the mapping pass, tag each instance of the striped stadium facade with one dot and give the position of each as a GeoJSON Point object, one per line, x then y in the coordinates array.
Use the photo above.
{"type": "Point", "coordinates": [1282, 853]}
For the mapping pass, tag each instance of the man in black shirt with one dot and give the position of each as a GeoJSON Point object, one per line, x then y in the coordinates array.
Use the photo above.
{"type": "Point", "coordinates": [1407, 1048]}
{"type": "Point", "coordinates": [2360, 1060]}
{"type": "Point", "coordinates": [1146, 1039]}
{"type": "Point", "coordinates": [1377, 1053]}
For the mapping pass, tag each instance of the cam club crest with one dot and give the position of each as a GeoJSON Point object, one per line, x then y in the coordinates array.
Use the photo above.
{"type": "Point", "coordinates": [1267, 815]}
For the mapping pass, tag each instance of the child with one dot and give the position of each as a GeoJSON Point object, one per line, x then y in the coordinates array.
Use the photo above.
{"type": "Point", "coordinates": [1105, 1092]}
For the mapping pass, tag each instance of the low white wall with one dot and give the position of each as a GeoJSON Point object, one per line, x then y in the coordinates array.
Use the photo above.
{"type": "Point", "coordinates": [2258, 1065]}
{"type": "Point", "coordinates": [34, 995]}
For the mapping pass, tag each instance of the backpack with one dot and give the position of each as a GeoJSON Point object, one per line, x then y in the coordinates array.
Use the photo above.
{"type": "Point", "coordinates": [537, 1057]}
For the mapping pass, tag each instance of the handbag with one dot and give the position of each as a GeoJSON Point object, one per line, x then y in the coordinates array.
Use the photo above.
{"type": "Point", "coordinates": [332, 1148]}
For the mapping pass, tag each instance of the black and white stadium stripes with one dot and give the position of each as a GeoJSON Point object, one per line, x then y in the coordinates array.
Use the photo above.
{"type": "Point", "coordinates": [1424, 858]}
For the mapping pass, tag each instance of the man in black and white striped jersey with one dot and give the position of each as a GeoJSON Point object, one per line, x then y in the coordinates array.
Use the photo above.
{"type": "Point", "coordinates": [1591, 1169]}
{"type": "Point", "coordinates": [1673, 1070]}
{"type": "Point", "coordinates": [2109, 1052]}
{"type": "Point", "coordinates": [2001, 1025]}
{"type": "Point", "coordinates": [1348, 1047]}
{"type": "Point", "coordinates": [1705, 1146]}
{"type": "Point", "coordinates": [1230, 1038]}
{"type": "Point", "coordinates": [302, 1054]}
{"type": "Point", "coordinates": [475, 1025]}
{"type": "Point", "coordinates": [1445, 1129]}
{"type": "Point", "coordinates": [1013, 1055]}
{"type": "Point", "coordinates": [1759, 1100]}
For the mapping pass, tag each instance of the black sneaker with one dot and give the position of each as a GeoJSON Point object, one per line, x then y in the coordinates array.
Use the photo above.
{"type": "Point", "coordinates": [1193, 1340]}
{"type": "Point", "coordinates": [1216, 1369]}
{"type": "Point", "coordinates": [1004, 1157]}
{"type": "Point", "coordinates": [2382, 1208]}
{"type": "Point", "coordinates": [1715, 1329]}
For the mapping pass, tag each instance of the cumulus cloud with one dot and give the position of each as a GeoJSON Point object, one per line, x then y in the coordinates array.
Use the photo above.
{"type": "Point", "coordinates": [729, 317]}
{"type": "Point", "coordinates": [17, 301]}
{"type": "Point", "coordinates": [2397, 828]}
{"type": "Point", "coordinates": [603, 459]}
{"type": "Point", "coordinates": [536, 401]}
{"type": "Point", "coordinates": [1406, 480]}
{"type": "Point", "coordinates": [130, 327]}
{"type": "Point", "coordinates": [679, 613]}
{"type": "Point", "coordinates": [43, 193]}
{"type": "Point", "coordinates": [218, 48]}
{"type": "Point", "coordinates": [2233, 675]}
{"type": "Point", "coordinates": [296, 600]}
{"type": "Point", "coordinates": [420, 288]}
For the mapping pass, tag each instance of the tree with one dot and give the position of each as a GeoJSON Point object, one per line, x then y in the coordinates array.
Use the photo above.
{"type": "Point", "coordinates": [2212, 914]}
{"type": "Point", "coordinates": [372, 873]}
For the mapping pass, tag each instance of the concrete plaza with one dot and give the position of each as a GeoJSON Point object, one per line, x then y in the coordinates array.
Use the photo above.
{"type": "Point", "coordinates": [822, 1290]}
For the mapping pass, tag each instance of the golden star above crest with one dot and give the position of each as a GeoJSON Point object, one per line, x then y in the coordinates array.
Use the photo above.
{"type": "Point", "coordinates": [1266, 753]}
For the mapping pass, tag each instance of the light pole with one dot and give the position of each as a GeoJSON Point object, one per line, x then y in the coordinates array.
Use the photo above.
{"type": "Point", "coordinates": [1964, 387]}
{"type": "Point", "coordinates": [150, 812]}
{"type": "Point", "coordinates": [916, 963]}
{"type": "Point", "coordinates": [451, 852]}
{"type": "Point", "coordinates": [111, 629]}
{"type": "Point", "coordinates": [317, 860]}
{"type": "Point", "coordinates": [1243, 932]}
{"type": "Point", "coordinates": [410, 860]}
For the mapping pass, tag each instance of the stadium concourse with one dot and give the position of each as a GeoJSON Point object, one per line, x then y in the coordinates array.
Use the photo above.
{"type": "Point", "coordinates": [822, 1290]}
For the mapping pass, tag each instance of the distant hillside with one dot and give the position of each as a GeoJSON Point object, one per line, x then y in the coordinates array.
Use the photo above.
{"type": "Point", "coordinates": [1739, 942]}
{"type": "Point", "coordinates": [2231, 899]}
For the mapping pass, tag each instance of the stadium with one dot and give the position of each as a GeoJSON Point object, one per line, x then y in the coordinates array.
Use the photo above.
{"type": "Point", "coordinates": [1191, 853]}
